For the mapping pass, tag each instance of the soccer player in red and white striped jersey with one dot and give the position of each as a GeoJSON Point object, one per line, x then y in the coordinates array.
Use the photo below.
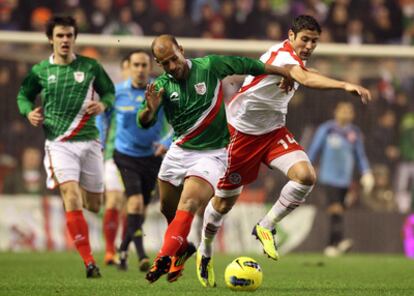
{"type": "Point", "coordinates": [257, 117]}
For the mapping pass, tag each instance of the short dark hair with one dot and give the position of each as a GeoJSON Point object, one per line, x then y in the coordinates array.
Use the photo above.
{"type": "Point", "coordinates": [305, 22]}
{"type": "Point", "coordinates": [66, 21]}
{"type": "Point", "coordinates": [167, 36]}
{"type": "Point", "coordinates": [136, 51]}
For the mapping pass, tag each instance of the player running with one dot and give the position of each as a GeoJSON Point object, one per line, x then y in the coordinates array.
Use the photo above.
{"type": "Point", "coordinates": [137, 152]}
{"type": "Point", "coordinates": [190, 92]}
{"type": "Point", "coordinates": [257, 117]}
{"type": "Point", "coordinates": [73, 160]}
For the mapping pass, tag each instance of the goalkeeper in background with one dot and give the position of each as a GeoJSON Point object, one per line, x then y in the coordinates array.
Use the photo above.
{"type": "Point", "coordinates": [339, 144]}
{"type": "Point", "coordinates": [73, 159]}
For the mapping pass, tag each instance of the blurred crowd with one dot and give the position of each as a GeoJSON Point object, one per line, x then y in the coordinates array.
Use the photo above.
{"type": "Point", "coordinates": [387, 123]}
{"type": "Point", "coordinates": [344, 21]}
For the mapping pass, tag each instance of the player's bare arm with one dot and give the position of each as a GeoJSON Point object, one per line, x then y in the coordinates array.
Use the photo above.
{"type": "Point", "coordinates": [316, 80]}
{"type": "Point", "coordinates": [153, 98]}
{"type": "Point", "coordinates": [287, 82]}
{"type": "Point", "coordinates": [95, 108]}
{"type": "Point", "coordinates": [35, 117]}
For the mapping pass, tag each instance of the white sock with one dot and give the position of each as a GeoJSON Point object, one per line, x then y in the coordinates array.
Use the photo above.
{"type": "Point", "coordinates": [293, 195]}
{"type": "Point", "coordinates": [211, 224]}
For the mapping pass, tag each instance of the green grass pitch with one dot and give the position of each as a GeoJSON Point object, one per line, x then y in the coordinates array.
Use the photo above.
{"type": "Point", "coordinates": [295, 274]}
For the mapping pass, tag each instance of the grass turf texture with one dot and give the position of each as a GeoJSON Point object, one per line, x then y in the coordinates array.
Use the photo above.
{"type": "Point", "coordinates": [296, 274]}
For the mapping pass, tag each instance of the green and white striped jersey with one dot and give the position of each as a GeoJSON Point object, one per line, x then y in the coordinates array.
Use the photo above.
{"type": "Point", "coordinates": [66, 91]}
{"type": "Point", "coordinates": [194, 107]}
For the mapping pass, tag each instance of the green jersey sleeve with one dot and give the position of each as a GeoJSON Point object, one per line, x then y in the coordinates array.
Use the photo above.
{"type": "Point", "coordinates": [110, 140]}
{"type": "Point", "coordinates": [104, 86]}
{"type": "Point", "coordinates": [229, 65]}
{"type": "Point", "coordinates": [28, 91]}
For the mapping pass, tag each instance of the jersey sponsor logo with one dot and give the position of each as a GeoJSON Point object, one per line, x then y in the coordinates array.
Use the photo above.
{"type": "Point", "coordinates": [334, 141]}
{"type": "Point", "coordinates": [200, 88]}
{"type": "Point", "coordinates": [125, 108]}
{"type": "Point", "coordinates": [235, 178]}
{"type": "Point", "coordinates": [174, 96]}
{"type": "Point", "coordinates": [51, 79]}
{"type": "Point", "coordinates": [79, 76]}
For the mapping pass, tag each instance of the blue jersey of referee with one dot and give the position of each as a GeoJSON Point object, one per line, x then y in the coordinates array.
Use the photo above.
{"type": "Point", "coordinates": [339, 148]}
{"type": "Point", "coordinates": [128, 138]}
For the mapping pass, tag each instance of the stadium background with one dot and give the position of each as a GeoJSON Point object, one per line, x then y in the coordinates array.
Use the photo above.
{"type": "Point", "coordinates": [375, 38]}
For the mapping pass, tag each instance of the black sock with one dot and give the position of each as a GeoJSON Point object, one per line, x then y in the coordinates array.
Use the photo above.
{"type": "Point", "coordinates": [125, 242]}
{"type": "Point", "coordinates": [337, 229]}
{"type": "Point", "coordinates": [134, 226]}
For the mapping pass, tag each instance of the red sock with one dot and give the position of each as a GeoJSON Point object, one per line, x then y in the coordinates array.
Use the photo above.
{"type": "Point", "coordinates": [78, 230]}
{"type": "Point", "coordinates": [110, 227]}
{"type": "Point", "coordinates": [176, 234]}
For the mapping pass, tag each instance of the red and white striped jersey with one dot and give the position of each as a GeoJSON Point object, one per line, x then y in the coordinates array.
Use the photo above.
{"type": "Point", "coordinates": [260, 106]}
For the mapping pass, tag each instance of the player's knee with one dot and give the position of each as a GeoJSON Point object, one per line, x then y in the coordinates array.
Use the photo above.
{"type": "Point", "coordinates": [306, 177]}
{"type": "Point", "coordinates": [303, 173]}
{"type": "Point", "coordinates": [93, 202]}
{"type": "Point", "coordinates": [336, 209]}
{"type": "Point", "coordinates": [94, 207]}
{"type": "Point", "coordinates": [135, 204]}
{"type": "Point", "coordinates": [223, 205]}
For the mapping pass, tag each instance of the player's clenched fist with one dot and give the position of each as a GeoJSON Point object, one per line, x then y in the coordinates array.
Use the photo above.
{"type": "Point", "coordinates": [95, 108]}
{"type": "Point", "coordinates": [36, 116]}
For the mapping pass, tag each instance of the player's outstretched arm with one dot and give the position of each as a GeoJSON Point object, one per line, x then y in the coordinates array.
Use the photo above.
{"type": "Point", "coordinates": [153, 100]}
{"type": "Point", "coordinates": [315, 80]}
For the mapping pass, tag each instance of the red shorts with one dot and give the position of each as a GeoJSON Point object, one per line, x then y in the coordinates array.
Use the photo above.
{"type": "Point", "coordinates": [247, 152]}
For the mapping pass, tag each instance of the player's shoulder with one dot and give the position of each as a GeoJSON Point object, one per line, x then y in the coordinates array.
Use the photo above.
{"type": "Point", "coordinates": [86, 59]}
{"type": "Point", "coordinates": [284, 54]}
{"type": "Point", "coordinates": [123, 85]}
{"type": "Point", "coordinates": [278, 46]}
{"type": "Point", "coordinates": [207, 60]}
{"type": "Point", "coordinates": [328, 125]}
{"type": "Point", "coordinates": [41, 65]}
{"type": "Point", "coordinates": [162, 80]}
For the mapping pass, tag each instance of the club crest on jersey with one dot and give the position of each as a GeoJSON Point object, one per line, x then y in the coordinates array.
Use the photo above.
{"type": "Point", "coordinates": [235, 178]}
{"type": "Point", "coordinates": [200, 88]}
{"type": "Point", "coordinates": [79, 76]}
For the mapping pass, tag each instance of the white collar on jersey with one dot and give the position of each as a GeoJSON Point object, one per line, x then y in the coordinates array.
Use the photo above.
{"type": "Point", "coordinates": [52, 61]}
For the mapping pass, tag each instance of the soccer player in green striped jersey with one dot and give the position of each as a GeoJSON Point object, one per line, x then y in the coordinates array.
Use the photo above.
{"type": "Point", "coordinates": [191, 94]}
{"type": "Point", "coordinates": [73, 160]}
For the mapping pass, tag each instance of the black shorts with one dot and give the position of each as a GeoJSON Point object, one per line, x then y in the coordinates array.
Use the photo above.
{"type": "Point", "coordinates": [335, 194]}
{"type": "Point", "coordinates": [139, 174]}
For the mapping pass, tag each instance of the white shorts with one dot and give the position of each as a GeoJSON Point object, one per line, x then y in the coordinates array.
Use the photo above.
{"type": "Point", "coordinates": [180, 163]}
{"type": "Point", "coordinates": [81, 162]}
{"type": "Point", "coordinates": [112, 178]}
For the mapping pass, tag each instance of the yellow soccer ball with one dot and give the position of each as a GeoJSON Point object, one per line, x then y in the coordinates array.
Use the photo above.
{"type": "Point", "coordinates": [243, 274]}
